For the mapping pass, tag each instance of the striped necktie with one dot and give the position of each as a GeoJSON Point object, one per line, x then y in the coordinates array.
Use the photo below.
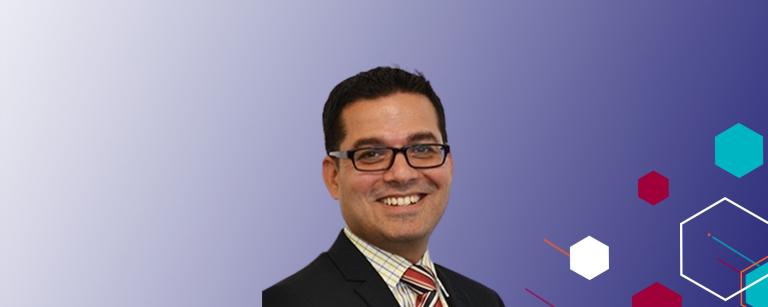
{"type": "Point", "coordinates": [422, 281]}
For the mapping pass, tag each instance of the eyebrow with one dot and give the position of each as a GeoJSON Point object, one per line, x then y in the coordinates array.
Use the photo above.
{"type": "Point", "coordinates": [416, 137]}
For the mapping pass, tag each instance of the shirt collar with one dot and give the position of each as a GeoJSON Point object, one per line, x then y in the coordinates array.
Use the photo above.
{"type": "Point", "coordinates": [390, 266]}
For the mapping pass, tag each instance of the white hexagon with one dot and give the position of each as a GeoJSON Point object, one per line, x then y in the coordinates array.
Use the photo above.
{"type": "Point", "coordinates": [682, 274]}
{"type": "Point", "coordinates": [589, 257]}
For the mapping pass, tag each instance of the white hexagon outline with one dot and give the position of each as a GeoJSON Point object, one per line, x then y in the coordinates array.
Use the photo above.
{"type": "Point", "coordinates": [681, 248]}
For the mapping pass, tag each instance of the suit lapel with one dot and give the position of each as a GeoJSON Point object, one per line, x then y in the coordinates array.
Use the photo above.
{"type": "Point", "coordinates": [456, 298]}
{"type": "Point", "coordinates": [359, 273]}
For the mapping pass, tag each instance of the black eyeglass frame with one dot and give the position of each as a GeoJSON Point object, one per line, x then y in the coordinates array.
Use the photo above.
{"type": "Point", "coordinates": [350, 154]}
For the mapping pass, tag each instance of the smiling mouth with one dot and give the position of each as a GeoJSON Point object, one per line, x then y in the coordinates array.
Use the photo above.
{"type": "Point", "coordinates": [401, 201]}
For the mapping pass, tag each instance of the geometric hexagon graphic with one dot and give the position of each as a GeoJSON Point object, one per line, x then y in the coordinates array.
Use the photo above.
{"type": "Point", "coordinates": [589, 257]}
{"type": "Point", "coordinates": [739, 150]}
{"type": "Point", "coordinates": [657, 295]}
{"type": "Point", "coordinates": [754, 279]}
{"type": "Point", "coordinates": [653, 187]}
{"type": "Point", "coordinates": [757, 295]}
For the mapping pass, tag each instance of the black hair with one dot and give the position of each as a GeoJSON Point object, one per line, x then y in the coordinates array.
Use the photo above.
{"type": "Point", "coordinates": [375, 83]}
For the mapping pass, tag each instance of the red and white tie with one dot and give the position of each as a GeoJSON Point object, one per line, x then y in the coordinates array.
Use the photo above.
{"type": "Point", "coordinates": [423, 282]}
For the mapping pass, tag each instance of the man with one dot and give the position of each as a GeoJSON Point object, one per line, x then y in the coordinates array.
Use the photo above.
{"type": "Point", "coordinates": [390, 168]}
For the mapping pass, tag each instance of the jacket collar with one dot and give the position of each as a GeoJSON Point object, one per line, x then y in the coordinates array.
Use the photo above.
{"type": "Point", "coordinates": [359, 273]}
{"type": "Point", "coordinates": [367, 283]}
{"type": "Point", "coordinates": [457, 297]}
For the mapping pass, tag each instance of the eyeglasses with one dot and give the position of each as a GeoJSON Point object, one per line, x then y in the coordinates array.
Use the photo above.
{"type": "Point", "coordinates": [372, 159]}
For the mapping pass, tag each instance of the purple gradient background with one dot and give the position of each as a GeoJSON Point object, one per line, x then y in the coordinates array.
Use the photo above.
{"type": "Point", "coordinates": [154, 153]}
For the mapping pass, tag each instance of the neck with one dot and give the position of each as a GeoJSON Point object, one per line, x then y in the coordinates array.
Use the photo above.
{"type": "Point", "coordinates": [412, 250]}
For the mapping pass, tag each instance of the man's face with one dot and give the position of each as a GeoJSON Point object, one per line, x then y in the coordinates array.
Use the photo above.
{"type": "Point", "coordinates": [396, 120]}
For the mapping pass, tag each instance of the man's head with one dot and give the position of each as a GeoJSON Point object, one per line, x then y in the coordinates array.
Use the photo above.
{"type": "Point", "coordinates": [387, 107]}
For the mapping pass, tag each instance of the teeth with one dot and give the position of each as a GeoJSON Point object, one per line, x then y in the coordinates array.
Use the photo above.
{"type": "Point", "coordinates": [401, 201]}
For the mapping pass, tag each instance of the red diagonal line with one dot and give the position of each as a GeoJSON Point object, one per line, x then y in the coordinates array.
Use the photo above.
{"type": "Point", "coordinates": [539, 297]}
{"type": "Point", "coordinates": [733, 268]}
{"type": "Point", "coordinates": [558, 248]}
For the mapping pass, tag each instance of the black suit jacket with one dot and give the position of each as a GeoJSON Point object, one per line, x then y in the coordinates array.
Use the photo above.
{"type": "Point", "coordinates": [342, 276]}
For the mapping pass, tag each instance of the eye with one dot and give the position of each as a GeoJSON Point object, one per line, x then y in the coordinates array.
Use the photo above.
{"type": "Point", "coordinates": [423, 149]}
{"type": "Point", "coordinates": [370, 155]}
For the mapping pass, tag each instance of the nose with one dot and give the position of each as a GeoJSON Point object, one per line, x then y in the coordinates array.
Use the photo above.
{"type": "Point", "coordinates": [400, 171]}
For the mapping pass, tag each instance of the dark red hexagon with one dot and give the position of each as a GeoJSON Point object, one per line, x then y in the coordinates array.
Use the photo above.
{"type": "Point", "coordinates": [657, 295]}
{"type": "Point", "coordinates": [653, 187]}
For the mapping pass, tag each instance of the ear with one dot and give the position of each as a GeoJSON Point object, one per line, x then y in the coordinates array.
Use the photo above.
{"type": "Point", "coordinates": [331, 176]}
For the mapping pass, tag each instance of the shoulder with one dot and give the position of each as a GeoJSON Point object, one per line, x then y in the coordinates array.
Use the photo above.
{"type": "Point", "coordinates": [299, 288]}
{"type": "Point", "coordinates": [473, 291]}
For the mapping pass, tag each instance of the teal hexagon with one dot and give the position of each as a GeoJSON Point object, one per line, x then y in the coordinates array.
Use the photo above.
{"type": "Point", "coordinates": [758, 294]}
{"type": "Point", "coordinates": [739, 150]}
